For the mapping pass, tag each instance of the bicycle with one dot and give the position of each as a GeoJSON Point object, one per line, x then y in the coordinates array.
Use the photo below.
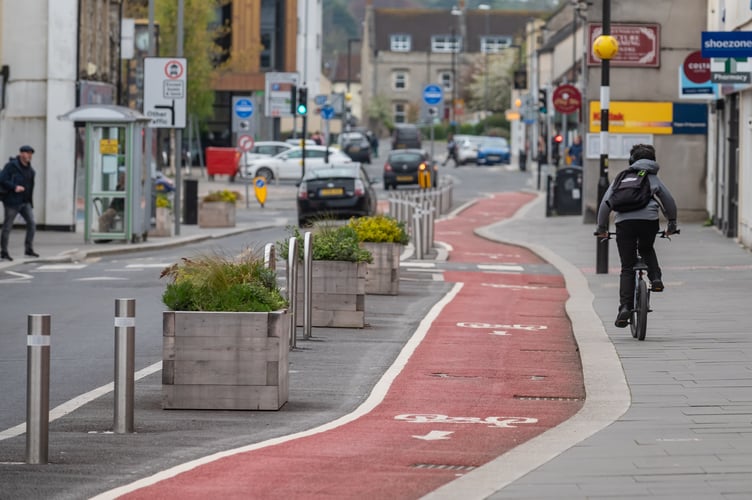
{"type": "Point", "coordinates": [638, 318]}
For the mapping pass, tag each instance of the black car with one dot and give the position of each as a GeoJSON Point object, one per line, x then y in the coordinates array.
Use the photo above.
{"type": "Point", "coordinates": [406, 136]}
{"type": "Point", "coordinates": [403, 165]}
{"type": "Point", "coordinates": [355, 145]}
{"type": "Point", "coordinates": [337, 192]}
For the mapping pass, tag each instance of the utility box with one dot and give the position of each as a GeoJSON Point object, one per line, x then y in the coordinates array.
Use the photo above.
{"type": "Point", "coordinates": [568, 191]}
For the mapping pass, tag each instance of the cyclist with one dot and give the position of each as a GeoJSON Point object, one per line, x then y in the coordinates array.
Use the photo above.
{"type": "Point", "coordinates": [637, 229]}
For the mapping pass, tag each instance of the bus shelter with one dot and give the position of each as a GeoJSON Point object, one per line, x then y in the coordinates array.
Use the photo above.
{"type": "Point", "coordinates": [117, 181]}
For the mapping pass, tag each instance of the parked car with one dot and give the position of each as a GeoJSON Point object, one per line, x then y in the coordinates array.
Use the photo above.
{"type": "Point", "coordinates": [467, 148]}
{"type": "Point", "coordinates": [288, 164]}
{"type": "Point", "coordinates": [265, 149]}
{"type": "Point", "coordinates": [406, 136]}
{"type": "Point", "coordinates": [338, 192]}
{"type": "Point", "coordinates": [493, 151]}
{"type": "Point", "coordinates": [355, 145]}
{"type": "Point", "coordinates": [403, 165]}
{"type": "Point", "coordinates": [298, 141]}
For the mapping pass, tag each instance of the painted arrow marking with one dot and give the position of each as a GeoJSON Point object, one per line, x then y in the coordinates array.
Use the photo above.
{"type": "Point", "coordinates": [17, 277]}
{"type": "Point", "coordinates": [498, 332]}
{"type": "Point", "coordinates": [435, 435]}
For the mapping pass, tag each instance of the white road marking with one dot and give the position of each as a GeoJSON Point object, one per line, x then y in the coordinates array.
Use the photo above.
{"type": "Point", "coordinates": [160, 266]}
{"type": "Point", "coordinates": [418, 264]}
{"type": "Point", "coordinates": [102, 278]}
{"type": "Point", "coordinates": [19, 277]}
{"type": "Point", "coordinates": [501, 267]}
{"type": "Point", "coordinates": [435, 435]}
{"type": "Point", "coordinates": [60, 267]}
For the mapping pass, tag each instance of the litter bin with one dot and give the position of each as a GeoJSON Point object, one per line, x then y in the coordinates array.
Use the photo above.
{"type": "Point", "coordinates": [568, 191]}
{"type": "Point", "coordinates": [190, 201]}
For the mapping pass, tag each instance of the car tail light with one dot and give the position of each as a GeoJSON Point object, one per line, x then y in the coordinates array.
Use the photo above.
{"type": "Point", "coordinates": [360, 190]}
{"type": "Point", "coordinates": [303, 191]}
{"type": "Point", "coordinates": [387, 167]}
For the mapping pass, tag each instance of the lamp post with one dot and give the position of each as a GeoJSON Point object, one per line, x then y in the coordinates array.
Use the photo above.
{"type": "Point", "coordinates": [485, 7]}
{"type": "Point", "coordinates": [455, 47]}
{"type": "Point", "coordinates": [348, 108]}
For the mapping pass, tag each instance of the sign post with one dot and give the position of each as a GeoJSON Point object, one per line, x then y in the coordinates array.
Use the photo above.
{"type": "Point", "coordinates": [245, 144]}
{"type": "Point", "coordinates": [432, 95]}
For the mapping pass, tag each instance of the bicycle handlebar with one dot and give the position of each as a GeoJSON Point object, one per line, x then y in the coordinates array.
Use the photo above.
{"type": "Point", "coordinates": [661, 232]}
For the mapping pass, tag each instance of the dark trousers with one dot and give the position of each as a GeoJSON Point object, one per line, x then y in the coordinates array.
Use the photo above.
{"type": "Point", "coordinates": [10, 215]}
{"type": "Point", "coordinates": [631, 236]}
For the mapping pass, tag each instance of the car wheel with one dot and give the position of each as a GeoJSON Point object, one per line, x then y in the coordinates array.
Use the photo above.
{"type": "Point", "coordinates": [265, 173]}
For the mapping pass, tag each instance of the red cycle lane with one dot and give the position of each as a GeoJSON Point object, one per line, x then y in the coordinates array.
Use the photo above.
{"type": "Point", "coordinates": [497, 366]}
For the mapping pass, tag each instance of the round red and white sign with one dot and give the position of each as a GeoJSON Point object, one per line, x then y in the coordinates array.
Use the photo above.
{"type": "Point", "coordinates": [174, 69]}
{"type": "Point", "coordinates": [245, 142]}
{"type": "Point", "coordinates": [566, 99]}
{"type": "Point", "coordinates": [697, 68]}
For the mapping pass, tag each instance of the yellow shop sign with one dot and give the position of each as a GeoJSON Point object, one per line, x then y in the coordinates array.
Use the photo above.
{"type": "Point", "coordinates": [634, 117]}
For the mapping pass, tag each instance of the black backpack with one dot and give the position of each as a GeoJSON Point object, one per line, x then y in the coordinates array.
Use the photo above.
{"type": "Point", "coordinates": [631, 191]}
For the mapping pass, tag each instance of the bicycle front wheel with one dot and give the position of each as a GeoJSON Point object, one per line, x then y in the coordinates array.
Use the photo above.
{"type": "Point", "coordinates": [642, 310]}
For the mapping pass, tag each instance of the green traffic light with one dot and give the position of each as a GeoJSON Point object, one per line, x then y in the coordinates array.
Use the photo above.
{"type": "Point", "coordinates": [302, 109]}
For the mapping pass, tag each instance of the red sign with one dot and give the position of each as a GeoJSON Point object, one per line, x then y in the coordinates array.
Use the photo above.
{"type": "Point", "coordinates": [245, 142]}
{"type": "Point", "coordinates": [697, 68]}
{"type": "Point", "coordinates": [567, 99]}
{"type": "Point", "coordinates": [639, 44]}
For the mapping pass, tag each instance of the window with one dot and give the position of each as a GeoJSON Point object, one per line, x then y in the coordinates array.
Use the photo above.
{"type": "Point", "coordinates": [445, 79]}
{"type": "Point", "coordinates": [400, 112]}
{"type": "Point", "coordinates": [446, 43]}
{"type": "Point", "coordinates": [400, 43]}
{"type": "Point", "coordinates": [399, 79]}
{"type": "Point", "coordinates": [494, 44]}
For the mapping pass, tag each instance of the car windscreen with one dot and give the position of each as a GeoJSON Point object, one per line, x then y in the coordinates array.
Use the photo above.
{"type": "Point", "coordinates": [497, 143]}
{"type": "Point", "coordinates": [405, 157]}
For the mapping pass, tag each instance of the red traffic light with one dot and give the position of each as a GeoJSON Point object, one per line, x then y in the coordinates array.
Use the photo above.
{"type": "Point", "coordinates": [558, 138]}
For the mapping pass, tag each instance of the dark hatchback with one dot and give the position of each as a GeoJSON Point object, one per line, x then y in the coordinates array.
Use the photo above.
{"type": "Point", "coordinates": [355, 145]}
{"type": "Point", "coordinates": [338, 192]}
{"type": "Point", "coordinates": [403, 165]}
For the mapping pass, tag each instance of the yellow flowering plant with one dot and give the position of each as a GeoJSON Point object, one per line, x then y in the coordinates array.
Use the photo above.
{"type": "Point", "coordinates": [379, 229]}
{"type": "Point", "coordinates": [225, 195]}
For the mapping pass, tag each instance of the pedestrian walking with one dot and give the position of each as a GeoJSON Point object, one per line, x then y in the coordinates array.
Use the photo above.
{"type": "Point", "coordinates": [17, 181]}
{"type": "Point", "coordinates": [451, 151]}
{"type": "Point", "coordinates": [636, 226]}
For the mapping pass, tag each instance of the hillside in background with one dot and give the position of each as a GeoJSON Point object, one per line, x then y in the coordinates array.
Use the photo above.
{"type": "Point", "coordinates": [343, 18]}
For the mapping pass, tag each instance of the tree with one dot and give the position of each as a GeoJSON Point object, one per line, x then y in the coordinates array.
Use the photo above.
{"type": "Point", "coordinates": [497, 76]}
{"type": "Point", "coordinates": [379, 112]}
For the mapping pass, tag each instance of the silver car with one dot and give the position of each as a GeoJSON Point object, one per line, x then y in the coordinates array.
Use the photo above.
{"type": "Point", "coordinates": [288, 165]}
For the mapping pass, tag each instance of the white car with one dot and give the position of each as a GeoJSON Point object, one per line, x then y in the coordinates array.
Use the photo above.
{"type": "Point", "coordinates": [288, 165]}
{"type": "Point", "coordinates": [299, 142]}
{"type": "Point", "coordinates": [467, 148]}
{"type": "Point", "coordinates": [265, 149]}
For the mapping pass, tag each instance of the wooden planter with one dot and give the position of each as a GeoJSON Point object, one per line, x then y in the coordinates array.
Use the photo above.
{"type": "Point", "coordinates": [339, 294]}
{"type": "Point", "coordinates": [382, 275]}
{"type": "Point", "coordinates": [164, 223]}
{"type": "Point", "coordinates": [216, 214]}
{"type": "Point", "coordinates": [225, 360]}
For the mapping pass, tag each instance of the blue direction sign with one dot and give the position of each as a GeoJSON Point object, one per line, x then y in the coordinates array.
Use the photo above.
{"type": "Point", "coordinates": [327, 112]}
{"type": "Point", "coordinates": [244, 108]}
{"type": "Point", "coordinates": [432, 94]}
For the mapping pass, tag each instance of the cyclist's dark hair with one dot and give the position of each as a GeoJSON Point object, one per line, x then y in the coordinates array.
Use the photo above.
{"type": "Point", "coordinates": [641, 152]}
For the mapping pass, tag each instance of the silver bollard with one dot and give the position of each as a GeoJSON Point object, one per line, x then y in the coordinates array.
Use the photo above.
{"type": "Point", "coordinates": [292, 288]}
{"type": "Point", "coordinates": [125, 342]}
{"type": "Point", "coordinates": [270, 256]}
{"type": "Point", "coordinates": [308, 284]}
{"type": "Point", "coordinates": [37, 388]}
{"type": "Point", "coordinates": [417, 236]}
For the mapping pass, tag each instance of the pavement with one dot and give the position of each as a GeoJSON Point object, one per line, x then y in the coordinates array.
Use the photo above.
{"type": "Point", "coordinates": [669, 417]}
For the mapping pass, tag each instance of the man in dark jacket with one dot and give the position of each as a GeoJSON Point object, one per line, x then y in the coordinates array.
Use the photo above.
{"type": "Point", "coordinates": [637, 229]}
{"type": "Point", "coordinates": [17, 179]}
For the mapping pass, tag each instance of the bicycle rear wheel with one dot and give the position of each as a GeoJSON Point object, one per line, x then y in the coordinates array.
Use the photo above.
{"type": "Point", "coordinates": [642, 310]}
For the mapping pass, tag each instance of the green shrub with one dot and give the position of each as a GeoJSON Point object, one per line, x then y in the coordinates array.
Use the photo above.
{"type": "Point", "coordinates": [329, 243]}
{"type": "Point", "coordinates": [217, 283]}
{"type": "Point", "coordinates": [379, 229]}
{"type": "Point", "coordinates": [224, 195]}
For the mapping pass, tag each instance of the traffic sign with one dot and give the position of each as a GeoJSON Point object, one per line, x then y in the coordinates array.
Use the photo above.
{"type": "Point", "coordinates": [566, 99]}
{"type": "Point", "coordinates": [259, 188]}
{"type": "Point", "coordinates": [320, 99]}
{"type": "Point", "coordinates": [165, 89]}
{"type": "Point", "coordinates": [243, 108]}
{"type": "Point", "coordinates": [245, 142]}
{"type": "Point", "coordinates": [327, 112]}
{"type": "Point", "coordinates": [432, 94]}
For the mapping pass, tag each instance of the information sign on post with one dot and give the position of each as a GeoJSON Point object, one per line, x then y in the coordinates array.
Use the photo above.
{"type": "Point", "coordinates": [242, 111]}
{"type": "Point", "coordinates": [165, 89]}
{"type": "Point", "coordinates": [277, 93]}
{"type": "Point", "coordinates": [432, 95]}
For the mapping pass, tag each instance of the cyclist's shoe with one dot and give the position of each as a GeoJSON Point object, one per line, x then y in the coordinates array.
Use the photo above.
{"type": "Point", "coordinates": [622, 319]}
{"type": "Point", "coordinates": [656, 286]}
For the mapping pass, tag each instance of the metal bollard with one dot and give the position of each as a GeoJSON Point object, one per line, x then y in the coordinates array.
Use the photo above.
{"type": "Point", "coordinates": [292, 288]}
{"type": "Point", "coordinates": [270, 256]}
{"type": "Point", "coordinates": [37, 388]}
{"type": "Point", "coordinates": [417, 238]}
{"type": "Point", "coordinates": [308, 284]}
{"type": "Point", "coordinates": [125, 342]}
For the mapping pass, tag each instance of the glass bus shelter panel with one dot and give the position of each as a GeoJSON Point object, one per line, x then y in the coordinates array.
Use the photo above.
{"type": "Point", "coordinates": [108, 180]}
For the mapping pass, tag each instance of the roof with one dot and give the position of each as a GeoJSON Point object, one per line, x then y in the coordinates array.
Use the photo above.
{"type": "Point", "coordinates": [422, 24]}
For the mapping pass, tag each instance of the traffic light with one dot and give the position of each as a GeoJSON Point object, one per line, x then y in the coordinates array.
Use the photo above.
{"type": "Point", "coordinates": [543, 101]}
{"type": "Point", "coordinates": [293, 99]}
{"type": "Point", "coordinates": [302, 101]}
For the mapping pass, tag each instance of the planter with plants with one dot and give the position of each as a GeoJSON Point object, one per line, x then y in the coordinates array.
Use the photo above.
{"type": "Point", "coordinates": [225, 337]}
{"type": "Point", "coordinates": [164, 224]}
{"type": "Point", "coordinates": [385, 238]}
{"type": "Point", "coordinates": [339, 277]}
{"type": "Point", "coordinates": [217, 209]}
